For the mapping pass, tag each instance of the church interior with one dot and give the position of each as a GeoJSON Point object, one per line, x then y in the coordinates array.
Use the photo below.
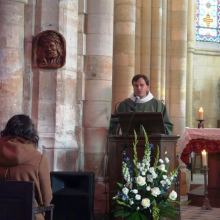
{"type": "Point", "coordinates": [106, 43]}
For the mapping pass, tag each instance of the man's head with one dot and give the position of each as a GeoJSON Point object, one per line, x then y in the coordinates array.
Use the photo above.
{"type": "Point", "coordinates": [50, 42]}
{"type": "Point", "coordinates": [140, 85]}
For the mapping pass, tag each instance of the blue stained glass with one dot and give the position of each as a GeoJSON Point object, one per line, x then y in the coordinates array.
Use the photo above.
{"type": "Point", "coordinates": [208, 20]}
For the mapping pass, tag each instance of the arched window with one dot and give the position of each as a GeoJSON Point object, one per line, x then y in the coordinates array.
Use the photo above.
{"type": "Point", "coordinates": [207, 20]}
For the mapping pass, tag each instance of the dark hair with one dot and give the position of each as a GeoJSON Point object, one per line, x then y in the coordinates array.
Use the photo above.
{"type": "Point", "coordinates": [22, 126]}
{"type": "Point", "coordinates": [138, 76]}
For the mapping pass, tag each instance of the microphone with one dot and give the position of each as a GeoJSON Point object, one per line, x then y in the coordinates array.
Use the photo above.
{"type": "Point", "coordinates": [135, 102]}
{"type": "Point", "coordinates": [136, 98]}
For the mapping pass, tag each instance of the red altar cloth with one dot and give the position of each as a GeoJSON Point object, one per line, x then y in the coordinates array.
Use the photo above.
{"type": "Point", "coordinates": [196, 140]}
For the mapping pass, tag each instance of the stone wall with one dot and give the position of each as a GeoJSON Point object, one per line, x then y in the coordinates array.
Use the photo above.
{"type": "Point", "coordinates": [205, 83]}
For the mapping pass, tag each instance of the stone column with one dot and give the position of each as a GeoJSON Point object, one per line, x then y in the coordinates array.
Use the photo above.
{"type": "Point", "coordinates": [163, 50]}
{"type": "Point", "coordinates": [56, 102]}
{"type": "Point", "coordinates": [28, 40]}
{"type": "Point", "coordinates": [168, 50]}
{"type": "Point", "coordinates": [190, 54]}
{"type": "Point", "coordinates": [156, 37]}
{"type": "Point", "coordinates": [12, 58]}
{"type": "Point", "coordinates": [124, 49]}
{"type": "Point", "coordinates": [80, 96]}
{"type": "Point", "coordinates": [138, 37]}
{"type": "Point", "coordinates": [145, 37]}
{"type": "Point", "coordinates": [178, 58]}
{"type": "Point", "coordinates": [98, 89]}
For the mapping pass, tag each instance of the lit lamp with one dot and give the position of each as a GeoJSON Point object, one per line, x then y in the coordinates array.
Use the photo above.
{"type": "Point", "coordinates": [200, 125]}
{"type": "Point", "coordinates": [206, 205]}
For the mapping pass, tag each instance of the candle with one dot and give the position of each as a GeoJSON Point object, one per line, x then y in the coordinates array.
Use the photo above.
{"type": "Point", "coordinates": [204, 163]}
{"type": "Point", "coordinates": [201, 114]}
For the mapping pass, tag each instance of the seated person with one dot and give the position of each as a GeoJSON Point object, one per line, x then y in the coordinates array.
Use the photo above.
{"type": "Point", "coordinates": [145, 103]}
{"type": "Point", "coordinates": [21, 161]}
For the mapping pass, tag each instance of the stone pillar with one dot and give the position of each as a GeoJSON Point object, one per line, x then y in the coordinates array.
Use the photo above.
{"type": "Point", "coordinates": [98, 89]}
{"type": "Point", "coordinates": [80, 96]}
{"type": "Point", "coordinates": [138, 37]}
{"type": "Point", "coordinates": [145, 37]}
{"type": "Point", "coordinates": [163, 50]}
{"type": "Point", "coordinates": [124, 49]}
{"type": "Point", "coordinates": [178, 56]}
{"type": "Point", "coordinates": [28, 40]}
{"type": "Point", "coordinates": [168, 51]}
{"type": "Point", "coordinates": [190, 54]}
{"type": "Point", "coordinates": [156, 43]}
{"type": "Point", "coordinates": [55, 102]}
{"type": "Point", "coordinates": [12, 58]}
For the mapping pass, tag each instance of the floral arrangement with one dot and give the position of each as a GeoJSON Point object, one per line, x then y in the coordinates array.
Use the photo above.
{"type": "Point", "coordinates": [145, 193]}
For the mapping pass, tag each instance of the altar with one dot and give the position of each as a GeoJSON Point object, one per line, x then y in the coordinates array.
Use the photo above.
{"type": "Point", "coordinates": [196, 140]}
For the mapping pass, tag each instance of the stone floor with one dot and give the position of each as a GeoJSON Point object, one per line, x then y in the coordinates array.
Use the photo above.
{"type": "Point", "coordinates": [193, 212]}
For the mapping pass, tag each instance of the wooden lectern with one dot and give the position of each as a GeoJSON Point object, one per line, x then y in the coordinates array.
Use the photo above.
{"type": "Point", "coordinates": [165, 142]}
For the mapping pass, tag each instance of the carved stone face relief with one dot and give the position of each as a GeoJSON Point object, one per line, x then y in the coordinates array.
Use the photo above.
{"type": "Point", "coordinates": [49, 50]}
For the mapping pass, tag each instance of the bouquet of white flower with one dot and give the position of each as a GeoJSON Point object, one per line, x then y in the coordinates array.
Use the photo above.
{"type": "Point", "coordinates": [145, 193]}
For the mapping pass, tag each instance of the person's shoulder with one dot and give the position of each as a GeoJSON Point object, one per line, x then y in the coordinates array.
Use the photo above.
{"type": "Point", "coordinates": [157, 102]}
{"type": "Point", "coordinates": [127, 100]}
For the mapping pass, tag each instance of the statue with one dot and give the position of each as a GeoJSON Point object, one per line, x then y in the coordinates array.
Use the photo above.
{"type": "Point", "coordinates": [50, 50]}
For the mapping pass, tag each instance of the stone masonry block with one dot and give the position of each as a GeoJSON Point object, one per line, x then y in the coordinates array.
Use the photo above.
{"type": "Point", "coordinates": [97, 114]}
{"type": "Point", "coordinates": [103, 92]}
{"type": "Point", "coordinates": [100, 6]}
{"type": "Point", "coordinates": [98, 67]}
{"type": "Point", "coordinates": [99, 44]}
{"type": "Point", "coordinates": [100, 24]}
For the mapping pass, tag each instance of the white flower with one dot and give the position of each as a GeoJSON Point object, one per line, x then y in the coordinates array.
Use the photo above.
{"type": "Point", "coordinates": [145, 202]}
{"type": "Point", "coordinates": [137, 197]}
{"type": "Point", "coordinates": [131, 202]}
{"type": "Point", "coordinates": [125, 191]}
{"type": "Point", "coordinates": [165, 152]}
{"type": "Point", "coordinates": [138, 165]}
{"type": "Point", "coordinates": [163, 182]}
{"type": "Point", "coordinates": [154, 175]}
{"type": "Point", "coordinates": [155, 191]}
{"type": "Point", "coordinates": [149, 178]}
{"type": "Point", "coordinates": [148, 188]}
{"type": "Point", "coordinates": [143, 164]}
{"type": "Point", "coordinates": [141, 168]}
{"type": "Point", "coordinates": [138, 208]}
{"type": "Point", "coordinates": [160, 161]}
{"type": "Point", "coordinates": [164, 177]}
{"type": "Point", "coordinates": [135, 191]}
{"type": "Point", "coordinates": [171, 178]}
{"type": "Point", "coordinates": [167, 160]}
{"type": "Point", "coordinates": [141, 180]}
{"type": "Point", "coordinates": [168, 181]}
{"type": "Point", "coordinates": [151, 169]}
{"type": "Point", "coordinates": [143, 173]}
{"type": "Point", "coordinates": [162, 168]}
{"type": "Point", "coordinates": [173, 195]}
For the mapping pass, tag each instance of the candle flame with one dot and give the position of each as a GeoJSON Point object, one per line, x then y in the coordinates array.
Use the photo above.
{"type": "Point", "coordinates": [200, 109]}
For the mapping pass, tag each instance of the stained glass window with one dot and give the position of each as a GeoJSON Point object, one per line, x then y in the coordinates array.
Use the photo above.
{"type": "Point", "coordinates": [208, 20]}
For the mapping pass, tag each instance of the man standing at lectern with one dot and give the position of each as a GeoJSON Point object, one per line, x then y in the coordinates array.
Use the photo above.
{"type": "Point", "coordinates": [145, 101]}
